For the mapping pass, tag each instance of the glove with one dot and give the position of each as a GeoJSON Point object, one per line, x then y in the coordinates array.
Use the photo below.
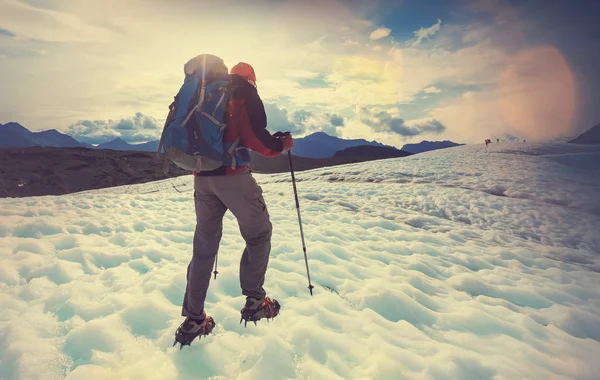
{"type": "Point", "coordinates": [288, 142]}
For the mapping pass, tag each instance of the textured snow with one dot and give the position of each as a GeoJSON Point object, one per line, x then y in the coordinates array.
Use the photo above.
{"type": "Point", "coordinates": [464, 263]}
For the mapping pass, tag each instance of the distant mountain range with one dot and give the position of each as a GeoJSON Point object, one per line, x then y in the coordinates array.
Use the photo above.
{"type": "Point", "coordinates": [372, 152]}
{"type": "Point", "coordinates": [316, 145]}
{"type": "Point", "coordinates": [425, 146]}
{"type": "Point", "coordinates": [321, 145]}
{"type": "Point", "coordinates": [14, 135]}
{"type": "Point", "coordinates": [119, 144]}
{"type": "Point", "coordinates": [592, 136]}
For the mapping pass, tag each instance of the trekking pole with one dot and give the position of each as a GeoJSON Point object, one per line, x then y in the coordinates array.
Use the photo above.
{"type": "Point", "coordinates": [216, 261]}
{"type": "Point", "coordinates": [310, 286]}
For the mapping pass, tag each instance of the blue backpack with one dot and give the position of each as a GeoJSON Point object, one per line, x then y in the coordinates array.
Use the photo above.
{"type": "Point", "coordinates": [193, 133]}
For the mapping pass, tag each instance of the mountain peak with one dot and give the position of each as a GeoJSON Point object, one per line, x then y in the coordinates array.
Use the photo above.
{"type": "Point", "coordinates": [115, 144]}
{"type": "Point", "coordinates": [14, 126]}
{"type": "Point", "coordinates": [319, 135]}
{"type": "Point", "coordinates": [591, 136]}
{"type": "Point", "coordinates": [322, 145]}
{"type": "Point", "coordinates": [50, 132]}
{"type": "Point", "coordinates": [425, 146]}
{"type": "Point", "coordinates": [14, 135]}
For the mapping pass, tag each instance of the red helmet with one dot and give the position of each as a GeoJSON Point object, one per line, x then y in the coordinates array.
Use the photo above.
{"type": "Point", "coordinates": [245, 71]}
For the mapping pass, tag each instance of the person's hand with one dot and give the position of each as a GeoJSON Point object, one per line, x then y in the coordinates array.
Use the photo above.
{"type": "Point", "coordinates": [288, 142]}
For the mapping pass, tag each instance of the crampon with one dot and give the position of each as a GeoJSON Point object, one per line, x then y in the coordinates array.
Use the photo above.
{"type": "Point", "coordinates": [255, 310]}
{"type": "Point", "coordinates": [190, 329]}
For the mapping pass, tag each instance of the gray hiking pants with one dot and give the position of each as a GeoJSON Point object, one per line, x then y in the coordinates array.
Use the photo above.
{"type": "Point", "coordinates": [213, 196]}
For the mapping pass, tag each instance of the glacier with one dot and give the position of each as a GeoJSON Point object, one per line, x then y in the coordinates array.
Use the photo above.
{"type": "Point", "coordinates": [463, 263]}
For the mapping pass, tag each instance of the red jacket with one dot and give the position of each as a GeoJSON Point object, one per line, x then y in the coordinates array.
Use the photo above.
{"type": "Point", "coordinates": [245, 116]}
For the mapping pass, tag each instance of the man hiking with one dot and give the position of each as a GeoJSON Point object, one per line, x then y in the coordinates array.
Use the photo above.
{"type": "Point", "coordinates": [233, 188]}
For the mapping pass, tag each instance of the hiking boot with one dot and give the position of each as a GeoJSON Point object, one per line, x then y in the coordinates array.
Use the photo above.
{"type": "Point", "coordinates": [191, 328]}
{"type": "Point", "coordinates": [255, 310]}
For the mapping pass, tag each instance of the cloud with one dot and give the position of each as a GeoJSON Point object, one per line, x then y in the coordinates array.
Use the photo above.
{"type": "Point", "coordinates": [337, 121]}
{"type": "Point", "coordinates": [432, 90]}
{"type": "Point", "coordinates": [6, 33]}
{"type": "Point", "coordinates": [136, 129]}
{"type": "Point", "coordinates": [26, 21]}
{"type": "Point", "coordinates": [300, 117]}
{"type": "Point", "coordinates": [323, 122]}
{"type": "Point", "coordinates": [431, 126]}
{"type": "Point", "coordinates": [316, 45]}
{"type": "Point", "coordinates": [302, 122]}
{"type": "Point", "coordinates": [279, 120]}
{"type": "Point", "coordinates": [425, 34]}
{"type": "Point", "coordinates": [380, 33]}
{"type": "Point", "coordinates": [382, 122]}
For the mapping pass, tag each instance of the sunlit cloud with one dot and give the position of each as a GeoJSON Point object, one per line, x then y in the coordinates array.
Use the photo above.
{"type": "Point", "coordinates": [138, 128]}
{"type": "Point", "coordinates": [432, 90]}
{"type": "Point", "coordinates": [383, 121]}
{"type": "Point", "coordinates": [425, 34]}
{"type": "Point", "coordinates": [380, 33]}
{"type": "Point", "coordinates": [302, 121]}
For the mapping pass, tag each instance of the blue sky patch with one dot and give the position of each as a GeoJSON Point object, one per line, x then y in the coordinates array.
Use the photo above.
{"type": "Point", "coordinates": [319, 81]}
{"type": "Point", "coordinates": [5, 33]}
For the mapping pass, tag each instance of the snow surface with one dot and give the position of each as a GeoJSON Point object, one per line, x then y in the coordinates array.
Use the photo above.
{"type": "Point", "coordinates": [463, 263]}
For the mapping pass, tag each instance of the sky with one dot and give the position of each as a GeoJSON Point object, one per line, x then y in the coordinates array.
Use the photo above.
{"type": "Point", "coordinates": [393, 71]}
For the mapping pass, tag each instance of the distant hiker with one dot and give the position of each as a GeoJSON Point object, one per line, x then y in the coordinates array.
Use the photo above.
{"type": "Point", "coordinates": [497, 140]}
{"type": "Point", "coordinates": [231, 187]}
{"type": "Point", "coordinates": [487, 142]}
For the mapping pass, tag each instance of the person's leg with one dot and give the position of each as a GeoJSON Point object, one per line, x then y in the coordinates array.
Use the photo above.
{"type": "Point", "coordinates": [209, 229]}
{"type": "Point", "coordinates": [243, 197]}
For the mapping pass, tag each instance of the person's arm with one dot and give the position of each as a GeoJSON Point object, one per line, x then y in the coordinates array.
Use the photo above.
{"type": "Point", "coordinates": [257, 137]}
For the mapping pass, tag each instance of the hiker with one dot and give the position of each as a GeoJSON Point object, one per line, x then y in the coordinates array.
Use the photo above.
{"type": "Point", "coordinates": [234, 189]}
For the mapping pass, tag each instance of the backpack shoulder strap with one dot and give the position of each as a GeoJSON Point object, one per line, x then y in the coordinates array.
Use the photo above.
{"type": "Point", "coordinates": [231, 151]}
{"type": "Point", "coordinates": [167, 121]}
{"type": "Point", "coordinates": [202, 91]}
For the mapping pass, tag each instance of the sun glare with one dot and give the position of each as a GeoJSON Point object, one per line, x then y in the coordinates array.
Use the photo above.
{"type": "Point", "coordinates": [537, 93]}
